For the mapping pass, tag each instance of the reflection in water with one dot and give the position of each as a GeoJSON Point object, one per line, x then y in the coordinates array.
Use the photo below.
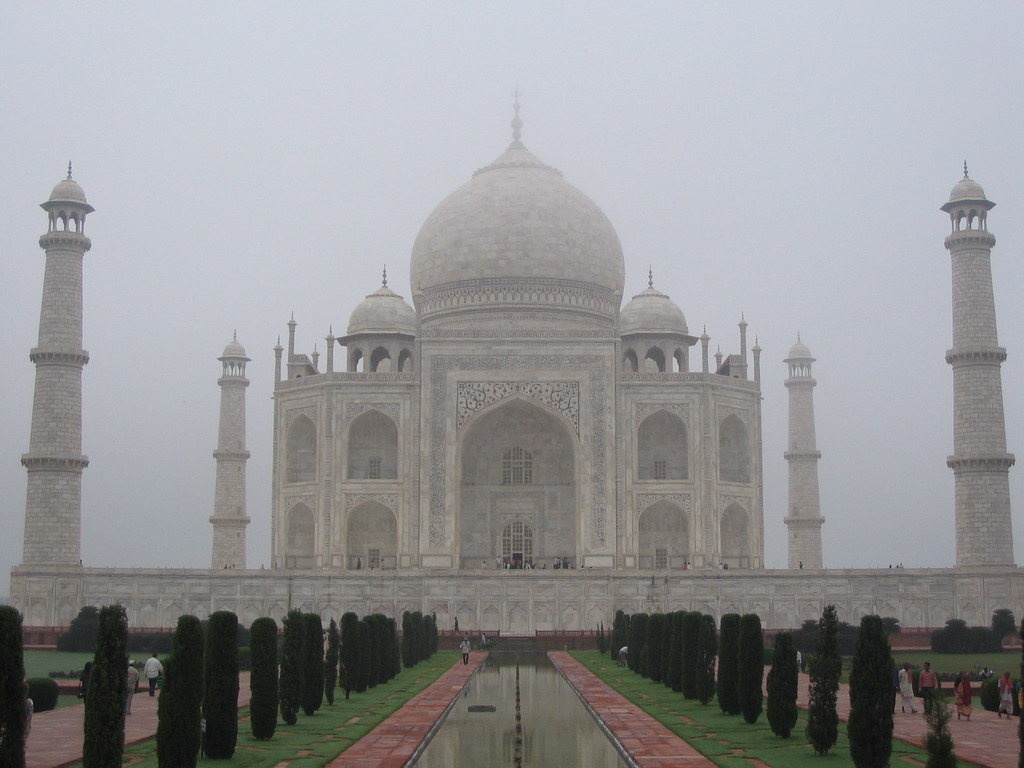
{"type": "Point", "coordinates": [557, 731]}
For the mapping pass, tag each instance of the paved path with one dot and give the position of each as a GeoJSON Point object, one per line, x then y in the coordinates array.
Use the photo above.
{"type": "Point", "coordinates": [56, 738]}
{"type": "Point", "coordinates": [650, 743]}
{"type": "Point", "coordinates": [985, 739]}
{"type": "Point", "coordinates": [392, 743]}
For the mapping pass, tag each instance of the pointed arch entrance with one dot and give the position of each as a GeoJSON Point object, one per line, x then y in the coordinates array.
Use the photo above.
{"type": "Point", "coordinates": [371, 540]}
{"type": "Point", "coordinates": [518, 482]}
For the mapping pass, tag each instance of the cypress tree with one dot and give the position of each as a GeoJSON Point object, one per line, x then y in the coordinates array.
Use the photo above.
{"type": "Point", "coordinates": [870, 725]}
{"type": "Point", "coordinates": [383, 629]}
{"type": "Point", "coordinates": [331, 661]}
{"type": "Point", "coordinates": [220, 695]}
{"type": "Point", "coordinates": [349, 651]}
{"type": "Point", "coordinates": [12, 691]}
{"type": "Point", "coordinates": [290, 687]}
{"type": "Point", "coordinates": [618, 634]}
{"type": "Point", "coordinates": [938, 741]}
{"type": "Point", "coordinates": [104, 705]}
{"type": "Point", "coordinates": [181, 698]}
{"type": "Point", "coordinates": [728, 687]}
{"type": "Point", "coordinates": [825, 667]}
{"type": "Point", "coordinates": [420, 636]}
{"type": "Point", "coordinates": [408, 640]}
{"type": "Point", "coordinates": [1020, 720]}
{"type": "Point", "coordinates": [688, 657]}
{"type": "Point", "coordinates": [312, 663]}
{"type": "Point", "coordinates": [637, 658]}
{"type": "Point", "coordinates": [373, 651]}
{"type": "Point", "coordinates": [394, 653]}
{"type": "Point", "coordinates": [666, 648]}
{"type": "Point", "coordinates": [362, 656]}
{"type": "Point", "coordinates": [783, 686]}
{"type": "Point", "coordinates": [674, 674]}
{"type": "Point", "coordinates": [707, 649]}
{"type": "Point", "coordinates": [263, 700]}
{"type": "Point", "coordinates": [655, 653]}
{"type": "Point", "coordinates": [751, 667]}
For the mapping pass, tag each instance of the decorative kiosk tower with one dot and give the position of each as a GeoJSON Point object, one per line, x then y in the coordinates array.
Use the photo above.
{"type": "Point", "coordinates": [979, 462]}
{"type": "Point", "coordinates": [804, 520]}
{"type": "Point", "coordinates": [53, 506]}
{"type": "Point", "coordinates": [229, 519]}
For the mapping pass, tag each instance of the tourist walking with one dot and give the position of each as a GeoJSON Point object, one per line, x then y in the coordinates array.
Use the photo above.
{"type": "Point", "coordinates": [153, 670]}
{"type": "Point", "coordinates": [907, 689]}
{"type": "Point", "coordinates": [464, 646]}
{"type": "Point", "coordinates": [963, 696]}
{"type": "Point", "coordinates": [1005, 695]}
{"type": "Point", "coordinates": [928, 685]}
{"type": "Point", "coordinates": [133, 681]}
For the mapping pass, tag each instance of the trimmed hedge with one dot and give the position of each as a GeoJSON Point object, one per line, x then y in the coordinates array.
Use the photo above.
{"type": "Point", "coordinates": [220, 698]}
{"type": "Point", "coordinates": [103, 745]}
{"type": "Point", "coordinates": [180, 704]}
{"type": "Point", "coordinates": [263, 679]}
{"type": "Point", "coordinates": [43, 691]}
{"type": "Point", "coordinates": [12, 690]}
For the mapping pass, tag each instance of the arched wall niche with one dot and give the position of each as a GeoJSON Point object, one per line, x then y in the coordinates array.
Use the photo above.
{"type": "Point", "coordinates": [662, 448]}
{"type": "Point", "coordinates": [372, 447]}
{"type": "Point", "coordinates": [663, 537]}
{"type": "Point", "coordinates": [301, 451]}
{"type": "Point", "coordinates": [371, 537]}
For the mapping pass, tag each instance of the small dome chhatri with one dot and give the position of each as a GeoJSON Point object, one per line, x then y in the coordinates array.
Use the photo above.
{"type": "Point", "coordinates": [68, 191]}
{"type": "Point", "coordinates": [383, 311]}
{"type": "Point", "coordinates": [653, 312]}
{"type": "Point", "coordinates": [799, 351]}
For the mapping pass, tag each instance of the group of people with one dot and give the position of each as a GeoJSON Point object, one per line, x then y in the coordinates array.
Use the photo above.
{"type": "Point", "coordinates": [928, 685]}
{"type": "Point", "coordinates": [153, 670]}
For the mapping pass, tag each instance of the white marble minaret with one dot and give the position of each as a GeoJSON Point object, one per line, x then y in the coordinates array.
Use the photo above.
{"type": "Point", "coordinates": [53, 506]}
{"type": "Point", "coordinates": [979, 462]}
{"type": "Point", "coordinates": [804, 519]}
{"type": "Point", "coordinates": [229, 519]}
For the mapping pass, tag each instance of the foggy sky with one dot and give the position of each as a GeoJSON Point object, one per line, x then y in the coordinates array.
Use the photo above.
{"type": "Point", "coordinates": [785, 161]}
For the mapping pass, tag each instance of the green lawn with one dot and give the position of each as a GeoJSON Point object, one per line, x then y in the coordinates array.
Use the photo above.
{"type": "Point", "coordinates": [720, 736]}
{"type": "Point", "coordinates": [42, 663]}
{"type": "Point", "coordinates": [315, 741]}
{"type": "Point", "coordinates": [963, 662]}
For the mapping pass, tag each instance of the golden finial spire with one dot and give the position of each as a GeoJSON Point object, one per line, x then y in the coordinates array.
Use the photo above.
{"type": "Point", "coordinates": [965, 169]}
{"type": "Point", "coordinates": [516, 123]}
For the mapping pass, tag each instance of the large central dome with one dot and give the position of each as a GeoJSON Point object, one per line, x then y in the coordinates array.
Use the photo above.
{"type": "Point", "coordinates": [517, 240]}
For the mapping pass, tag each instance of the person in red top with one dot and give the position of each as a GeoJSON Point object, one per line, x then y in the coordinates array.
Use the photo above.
{"type": "Point", "coordinates": [1005, 695]}
{"type": "Point", "coordinates": [963, 697]}
{"type": "Point", "coordinates": [928, 685]}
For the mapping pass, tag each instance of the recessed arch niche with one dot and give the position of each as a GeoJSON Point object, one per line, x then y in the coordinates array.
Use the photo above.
{"type": "Point", "coordinates": [663, 536]}
{"type": "Point", "coordinates": [371, 537]}
{"type": "Point", "coordinates": [372, 447]}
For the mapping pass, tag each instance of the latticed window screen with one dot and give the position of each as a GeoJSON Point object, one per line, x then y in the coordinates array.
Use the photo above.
{"type": "Point", "coordinates": [517, 467]}
{"type": "Point", "coordinates": [660, 469]}
{"type": "Point", "coordinates": [660, 557]}
{"type": "Point", "coordinates": [373, 470]}
{"type": "Point", "coordinates": [517, 537]}
{"type": "Point", "coordinates": [373, 555]}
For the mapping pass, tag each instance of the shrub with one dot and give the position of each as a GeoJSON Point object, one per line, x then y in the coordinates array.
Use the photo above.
{"type": "Point", "coordinates": [362, 667]}
{"type": "Point", "coordinates": [373, 651]}
{"type": "Point", "coordinates": [727, 686]}
{"type": "Point", "coordinates": [620, 633]}
{"type": "Point", "coordinates": [43, 691]}
{"type": "Point", "coordinates": [636, 658]}
{"type": "Point", "coordinates": [750, 652]}
{"type": "Point", "coordinates": [783, 685]}
{"type": "Point", "coordinates": [957, 637]}
{"type": "Point", "coordinates": [674, 672]}
{"type": "Point", "coordinates": [220, 691]}
{"type": "Point", "coordinates": [103, 745]}
{"type": "Point", "coordinates": [349, 652]}
{"type": "Point", "coordinates": [707, 648]}
{"type": "Point", "coordinates": [988, 694]}
{"type": "Point", "coordinates": [666, 648]}
{"type": "Point", "coordinates": [408, 640]}
{"type": "Point", "coordinates": [825, 667]}
{"type": "Point", "coordinates": [331, 661]}
{"type": "Point", "coordinates": [871, 697]}
{"type": "Point", "coordinates": [312, 663]}
{"type": "Point", "coordinates": [1003, 622]}
{"type": "Point", "coordinates": [81, 634]}
{"type": "Point", "coordinates": [938, 741]}
{"type": "Point", "coordinates": [12, 690]}
{"type": "Point", "coordinates": [691, 634]}
{"type": "Point", "coordinates": [180, 704]}
{"type": "Point", "coordinates": [655, 653]}
{"type": "Point", "coordinates": [601, 638]}
{"type": "Point", "coordinates": [263, 700]}
{"type": "Point", "coordinates": [290, 685]}
{"type": "Point", "coordinates": [394, 654]}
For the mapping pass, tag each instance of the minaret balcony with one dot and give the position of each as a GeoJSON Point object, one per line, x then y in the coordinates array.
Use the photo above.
{"type": "Point", "coordinates": [970, 238]}
{"type": "Point", "coordinates": [58, 357]}
{"type": "Point", "coordinates": [73, 462]}
{"type": "Point", "coordinates": [806, 455]}
{"type": "Point", "coordinates": [968, 355]}
{"type": "Point", "coordinates": [981, 462]}
{"type": "Point", "coordinates": [65, 239]}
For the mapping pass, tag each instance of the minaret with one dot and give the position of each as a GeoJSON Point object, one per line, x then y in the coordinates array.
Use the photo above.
{"type": "Point", "coordinates": [804, 519]}
{"type": "Point", "coordinates": [53, 506]}
{"type": "Point", "coordinates": [979, 462]}
{"type": "Point", "coordinates": [229, 518]}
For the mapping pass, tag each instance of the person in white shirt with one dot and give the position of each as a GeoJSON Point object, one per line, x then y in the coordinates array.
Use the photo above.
{"type": "Point", "coordinates": [153, 670]}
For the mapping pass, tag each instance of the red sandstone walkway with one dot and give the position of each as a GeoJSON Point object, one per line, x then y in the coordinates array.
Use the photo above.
{"type": "Point", "coordinates": [650, 743]}
{"type": "Point", "coordinates": [985, 739]}
{"type": "Point", "coordinates": [56, 738]}
{"type": "Point", "coordinates": [392, 743]}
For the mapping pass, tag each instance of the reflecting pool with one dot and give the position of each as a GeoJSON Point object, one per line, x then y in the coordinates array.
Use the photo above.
{"type": "Point", "coordinates": [557, 730]}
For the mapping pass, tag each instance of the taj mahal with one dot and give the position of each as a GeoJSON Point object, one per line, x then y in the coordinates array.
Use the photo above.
{"type": "Point", "coordinates": [518, 444]}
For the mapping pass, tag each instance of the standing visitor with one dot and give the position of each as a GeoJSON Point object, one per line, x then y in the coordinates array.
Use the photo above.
{"type": "Point", "coordinates": [1005, 695]}
{"type": "Point", "coordinates": [907, 689]}
{"type": "Point", "coordinates": [129, 691]}
{"type": "Point", "coordinates": [464, 646]}
{"type": "Point", "coordinates": [963, 697]}
{"type": "Point", "coordinates": [928, 684]}
{"type": "Point", "coordinates": [30, 708]}
{"type": "Point", "coordinates": [153, 670]}
{"type": "Point", "coordinates": [455, 624]}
